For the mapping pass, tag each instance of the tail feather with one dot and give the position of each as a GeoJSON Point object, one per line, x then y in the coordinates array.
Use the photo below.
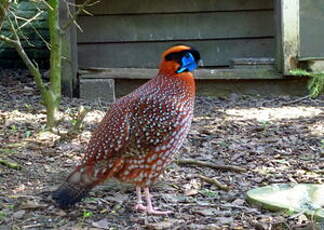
{"type": "Point", "coordinates": [80, 182]}
{"type": "Point", "coordinates": [67, 195]}
{"type": "Point", "coordinates": [77, 186]}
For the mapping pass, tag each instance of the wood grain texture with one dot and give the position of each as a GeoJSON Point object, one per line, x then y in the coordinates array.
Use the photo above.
{"type": "Point", "coordinates": [217, 25]}
{"type": "Point", "coordinates": [311, 28]}
{"type": "Point", "coordinates": [287, 34]}
{"type": "Point", "coordinates": [167, 6]}
{"type": "Point", "coordinates": [223, 88]}
{"type": "Point", "coordinates": [69, 52]}
{"type": "Point", "coordinates": [147, 54]}
{"type": "Point", "coordinates": [204, 74]}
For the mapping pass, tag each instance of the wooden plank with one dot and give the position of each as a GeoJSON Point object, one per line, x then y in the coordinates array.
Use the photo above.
{"type": "Point", "coordinates": [147, 55]}
{"type": "Point", "coordinates": [121, 28]}
{"type": "Point", "coordinates": [137, 73]}
{"type": "Point", "coordinates": [253, 63]}
{"type": "Point", "coordinates": [167, 6]}
{"type": "Point", "coordinates": [295, 86]}
{"type": "Point", "coordinates": [316, 66]}
{"type": "Point", "coordinates": [287, 31]}
{"type": "Point", "coordinates": [311, 28]}
{"type": "Point", "coordinates": [69, 52]}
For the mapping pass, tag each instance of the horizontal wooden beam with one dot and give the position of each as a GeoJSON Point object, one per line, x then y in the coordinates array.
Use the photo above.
{"type": "Point", "coordinates": [310, 58]}
{"type": "Point", "coordinates": [147, 55]}
{"type": "Point", "coordinates": [167, 6]}
{"type": "Point", "coordinates": [204, 74]}
{"type": "Point", "coordinates": [168, 27]}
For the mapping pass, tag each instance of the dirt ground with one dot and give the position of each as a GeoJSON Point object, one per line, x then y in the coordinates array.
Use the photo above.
{"type": "Point", "coordinates": [276, 139]}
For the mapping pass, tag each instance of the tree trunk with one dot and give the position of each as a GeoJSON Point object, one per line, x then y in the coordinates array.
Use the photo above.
{"type": "Point", "coordinates": [53, 97]}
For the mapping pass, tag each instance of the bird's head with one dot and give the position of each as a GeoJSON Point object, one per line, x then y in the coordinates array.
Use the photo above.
{"type": "Point", "coordinates": [179, 59]}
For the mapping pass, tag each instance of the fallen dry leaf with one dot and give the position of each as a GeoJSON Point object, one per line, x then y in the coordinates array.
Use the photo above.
{"type": "Point", "coordinates": [102, 224]}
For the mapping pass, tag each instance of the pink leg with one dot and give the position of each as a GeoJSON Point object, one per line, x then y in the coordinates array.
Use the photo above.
{"type": "Point", "coordinates": [149, 208]}
{"type": "Point", "coordinates": [139, 205]}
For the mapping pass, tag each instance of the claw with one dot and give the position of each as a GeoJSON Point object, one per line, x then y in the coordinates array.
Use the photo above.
{"type": "Point", "coordinates": [149, 208]}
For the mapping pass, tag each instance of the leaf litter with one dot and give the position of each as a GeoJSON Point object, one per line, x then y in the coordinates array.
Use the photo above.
{"type": "Point", "coordinates": [274, 140]}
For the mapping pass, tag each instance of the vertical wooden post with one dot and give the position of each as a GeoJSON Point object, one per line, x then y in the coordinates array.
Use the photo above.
{"type": "Point", "coordinates": [287, 34]}
{"type": "Point", "coordinates": [69, 51]}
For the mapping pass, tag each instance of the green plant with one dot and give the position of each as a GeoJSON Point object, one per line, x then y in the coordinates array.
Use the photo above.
{"type": "Point", "coordinates": [2, 215]}
{"type": "Point", "coordinates": [28, 133]}
{"type": "Point", "coordinates": [209, 193]}
{"type": "Point", "coordinates": [13, 128]}
{"type": "Point", "coordinates": [87, 214]}
{"type": "Point", "coordinates": [265, 124]}
{"type": "Point", "coordinates": [315, 84]}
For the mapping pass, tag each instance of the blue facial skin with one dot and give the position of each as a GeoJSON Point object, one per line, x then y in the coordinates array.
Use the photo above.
{"type": "Point", "coordinates": [188, 63]}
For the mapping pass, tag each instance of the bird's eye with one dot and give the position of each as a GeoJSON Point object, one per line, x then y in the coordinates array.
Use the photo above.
{"type": "Point", "coordinates": [187, 55]}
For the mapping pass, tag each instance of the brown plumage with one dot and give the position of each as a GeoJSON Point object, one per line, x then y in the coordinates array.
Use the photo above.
{"type": "Point", "coordinates": [140, 132]}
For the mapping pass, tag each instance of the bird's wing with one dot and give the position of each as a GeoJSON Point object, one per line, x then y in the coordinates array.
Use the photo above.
{"type": "Point", "coordinates": [136, 126]}
{"type": "Point", "coordinates": [111, 135]}
{"type": "Point", "coordinates": [117, 130]}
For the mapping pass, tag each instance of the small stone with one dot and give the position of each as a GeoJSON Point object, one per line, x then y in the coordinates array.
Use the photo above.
{"type": "Point", "coordinates": [102, 224]}
{"type": "Point", "coordinates": [19, 214]}
{"type": "Point", "coordinates": [61, 213]}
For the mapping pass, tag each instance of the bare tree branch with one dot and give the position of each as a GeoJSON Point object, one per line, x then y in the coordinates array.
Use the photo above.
{"type": "Point", "coordinates": [210, 165]}
{"type": "Point", "coordinates": [81, 8]}
{"type": "Point", "coordinates": [28, 21]}
{"type": "Point", "coordinates": [9, 41]}
{"type": "Point", "coordinates": [213, 181]}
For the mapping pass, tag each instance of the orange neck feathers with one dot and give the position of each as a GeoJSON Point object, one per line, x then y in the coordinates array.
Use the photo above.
{"type": "Point", "coordinates": [168, 68]}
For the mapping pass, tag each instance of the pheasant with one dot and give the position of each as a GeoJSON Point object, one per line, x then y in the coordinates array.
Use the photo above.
{"type": "Point", "coordinates": [140, 133]}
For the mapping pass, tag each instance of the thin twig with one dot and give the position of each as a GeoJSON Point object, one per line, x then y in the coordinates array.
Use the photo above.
{"type": "Point", "coordinates": [319, 171]}
{"type": "Point", "coordinates": [28, 20]}
{"type": "Point", "coordinates": [41, 37]}
{"type": "Point", "coordinates": [47, 5]}
{"type": "Point", "coordinates": [11, 165]}
{"type": "Point", "coordinates": [295, 101]}
{"type": "Point", "coordinates": [76, 13]}
{"type": "Point", "coordinates": [213, 181]}
{"type": "Point", "coordinates": [80, 119]}
{"type": "Point", "coordinates": [8, 40]}
{"type": "Point", "coordinates": [211, 165]}
{"type": "Point", "coordinates": [33, 226]}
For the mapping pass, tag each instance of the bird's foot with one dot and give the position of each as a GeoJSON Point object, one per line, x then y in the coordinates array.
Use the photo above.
{"type": "Point", "coordinates": [140, 207]}
{"type": "Point", "coordinates": [150, 210]}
